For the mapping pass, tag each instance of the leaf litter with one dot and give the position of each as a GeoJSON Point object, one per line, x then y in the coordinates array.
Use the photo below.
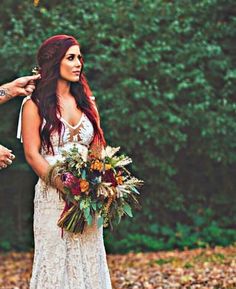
{"type": "Point", "coordinates": [209, 268]}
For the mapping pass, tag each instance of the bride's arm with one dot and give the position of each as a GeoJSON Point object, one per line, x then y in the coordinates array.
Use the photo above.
{"type": "Point", "coordinates": [32, 142]}
{"type": "Point", "coordinates": [31, 139]}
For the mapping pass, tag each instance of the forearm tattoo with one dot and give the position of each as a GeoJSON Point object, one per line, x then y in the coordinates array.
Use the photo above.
{"type": "Point", "coordinates": [4, 94]}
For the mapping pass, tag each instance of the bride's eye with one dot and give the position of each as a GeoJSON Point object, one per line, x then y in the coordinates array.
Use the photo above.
{"type": "Point", "coordinates": [70, 58]}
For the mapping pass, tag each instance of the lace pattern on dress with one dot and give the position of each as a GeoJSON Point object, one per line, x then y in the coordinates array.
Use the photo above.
{"type": "Point", "coordinates": [76, 261]}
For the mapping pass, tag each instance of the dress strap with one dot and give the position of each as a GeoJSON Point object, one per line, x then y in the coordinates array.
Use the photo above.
{"type": "Point", "coordinates": [19, 127]}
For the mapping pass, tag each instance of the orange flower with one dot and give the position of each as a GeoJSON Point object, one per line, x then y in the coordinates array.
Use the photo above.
{"type": "Point", "coordinates": [84, 185]}
{"type": "Point", "coordinates": [119, 180]}
{"type": "Point", "coordinates": [107, 167]}
{"type": "Point", "coordinates": [97, 165]}
{"type": "Point", "coordinates": [36, 3]}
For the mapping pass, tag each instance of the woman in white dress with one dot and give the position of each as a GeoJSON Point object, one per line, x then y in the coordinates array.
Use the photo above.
{"type": "Point", "coordinates": [60, 113]}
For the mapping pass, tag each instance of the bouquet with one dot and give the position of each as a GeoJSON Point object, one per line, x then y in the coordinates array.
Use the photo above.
{"type": "Point", "coordinates": [93, 185]}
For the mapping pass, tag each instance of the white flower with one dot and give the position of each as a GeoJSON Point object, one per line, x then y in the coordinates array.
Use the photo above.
{"type": "Point", "coordinates": [121, 190]}
{"type": "Point", "coordinates": [133, 182]}
{"type": "Point", "coordinates": [110, 151]}
{"type": "Point", "coordinates": [105, 189]}
{"type": "Point", "coordinates": [121, 162]}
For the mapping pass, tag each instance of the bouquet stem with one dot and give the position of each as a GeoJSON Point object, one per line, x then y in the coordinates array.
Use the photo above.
{"type": "Point", "coordinates": [72, 220]}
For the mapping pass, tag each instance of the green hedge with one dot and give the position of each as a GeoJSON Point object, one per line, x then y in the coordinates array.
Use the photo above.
{"type": "Point", "coordinates": [163, 73]}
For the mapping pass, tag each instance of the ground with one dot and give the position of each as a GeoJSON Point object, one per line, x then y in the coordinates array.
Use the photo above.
{"type": "Point", "coordinates": [190, 269]}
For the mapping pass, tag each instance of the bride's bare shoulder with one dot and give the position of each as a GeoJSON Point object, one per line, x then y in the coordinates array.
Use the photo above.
{"type": "Point", "coordinates": [30, 110]}
{"type": "Point", "coordinates": [29, 105]}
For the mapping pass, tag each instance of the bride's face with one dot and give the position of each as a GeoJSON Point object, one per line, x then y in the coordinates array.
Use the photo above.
{"type": "Point", "coordinates": [70, 66]}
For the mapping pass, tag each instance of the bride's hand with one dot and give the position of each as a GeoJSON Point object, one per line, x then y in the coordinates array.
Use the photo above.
{"type": "Point", "coordinates": [58, 184]}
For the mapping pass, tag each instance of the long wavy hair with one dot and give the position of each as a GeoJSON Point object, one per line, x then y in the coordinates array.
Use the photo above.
{"type": "Point", "coordinates": [49, 57]}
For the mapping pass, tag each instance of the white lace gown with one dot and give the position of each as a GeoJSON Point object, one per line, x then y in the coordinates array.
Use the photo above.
{"type": "Point", "coordinates": [76, 261]}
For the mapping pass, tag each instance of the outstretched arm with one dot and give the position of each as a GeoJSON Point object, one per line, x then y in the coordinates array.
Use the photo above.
{"type": "Point", "coordinates": [20, 86]}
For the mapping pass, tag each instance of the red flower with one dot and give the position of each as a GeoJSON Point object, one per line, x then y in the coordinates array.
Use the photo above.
{"type": "Point", "coordinates": [109, 177]}
{"type": "Point", "coordinates": [71, 182]}
{"type": "Point", "coordinates": [75, 189]}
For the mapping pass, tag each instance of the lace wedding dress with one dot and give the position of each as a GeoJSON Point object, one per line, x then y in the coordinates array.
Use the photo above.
{"type": "Point", "coordinates": [74, 261]}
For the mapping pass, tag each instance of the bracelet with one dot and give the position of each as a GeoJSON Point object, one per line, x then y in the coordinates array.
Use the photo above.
{"type": "Point", "coordinates": [52, 174]}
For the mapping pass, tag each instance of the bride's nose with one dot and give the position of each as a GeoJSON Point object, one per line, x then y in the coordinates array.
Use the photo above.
{"type": "Point", "coordinates": [78, 63]}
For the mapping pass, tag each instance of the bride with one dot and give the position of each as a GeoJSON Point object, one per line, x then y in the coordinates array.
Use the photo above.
{"type": "Point", "coordinates": [61, 112]}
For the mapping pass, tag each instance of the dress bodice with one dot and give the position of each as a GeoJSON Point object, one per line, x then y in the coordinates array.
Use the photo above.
{"type": "Point", "coordinates": [79, 135]}
{"type": "Point", "coordinates": [83, 132]}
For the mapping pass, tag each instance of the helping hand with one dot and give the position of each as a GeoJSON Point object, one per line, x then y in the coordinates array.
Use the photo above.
{"type": "Point", "coordinates": [22, 86]}
{"type": "Point", "coordinates": [6, 157]}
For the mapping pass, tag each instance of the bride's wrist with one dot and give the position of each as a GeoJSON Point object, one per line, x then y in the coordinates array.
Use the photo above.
{"type": "Point", "coordinates": [58, 184]}
{"type": "Point", "coordinates": [53, 178]}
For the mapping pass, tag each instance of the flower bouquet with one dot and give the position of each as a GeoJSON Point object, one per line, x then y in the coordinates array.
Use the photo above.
{"type": "Point", "coordinates": [93, 185]}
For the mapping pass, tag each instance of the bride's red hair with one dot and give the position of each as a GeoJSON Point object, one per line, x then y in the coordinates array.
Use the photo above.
{"type": "Point", "coordinates": [49, 57]}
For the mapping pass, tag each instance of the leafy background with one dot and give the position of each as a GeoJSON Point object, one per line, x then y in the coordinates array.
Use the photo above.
{"type": "Point", "coordinates": [163, 73]}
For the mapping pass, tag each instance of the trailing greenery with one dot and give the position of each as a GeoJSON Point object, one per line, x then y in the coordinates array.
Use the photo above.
{"type": "Point", "coordinates": [163, 73]}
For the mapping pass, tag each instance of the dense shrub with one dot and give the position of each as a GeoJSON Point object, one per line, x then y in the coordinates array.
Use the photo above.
{"type": "Point", "coordinates": [163, 73]}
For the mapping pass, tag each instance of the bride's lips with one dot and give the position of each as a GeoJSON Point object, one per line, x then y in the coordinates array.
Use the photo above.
{"type": "Point", "coordinates": [77, 72]}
